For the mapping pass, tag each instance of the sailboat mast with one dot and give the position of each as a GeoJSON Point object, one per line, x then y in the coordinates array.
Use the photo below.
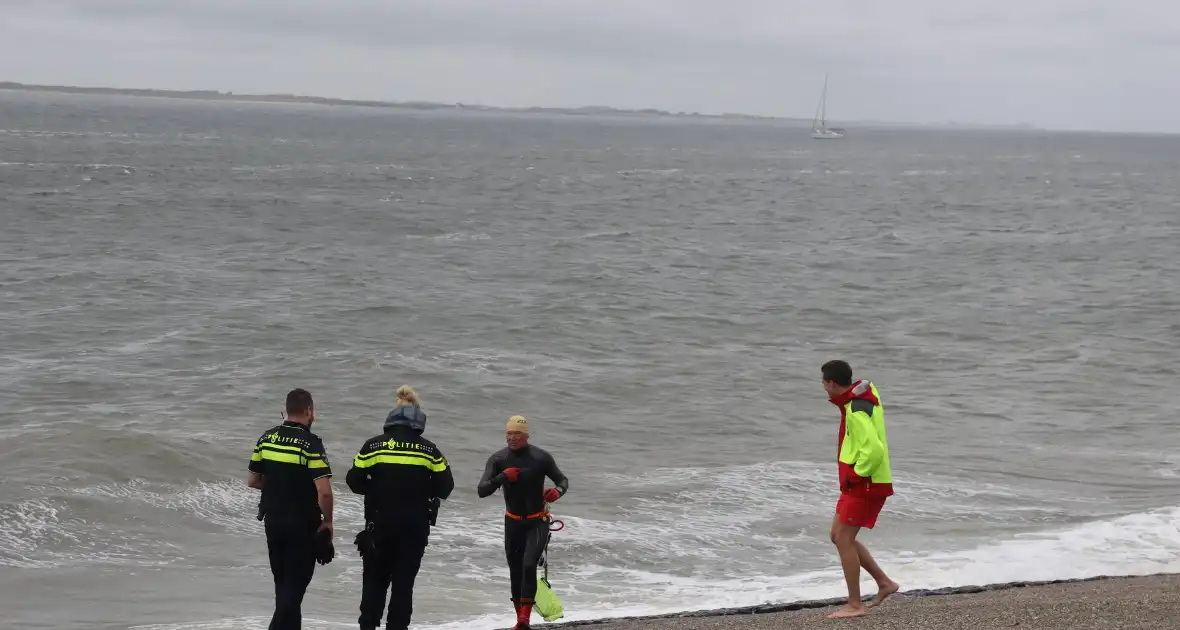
{"type": "Point", "coordinates": [824, 104]}
{"type": "Point", "coordinates": [819, 126]}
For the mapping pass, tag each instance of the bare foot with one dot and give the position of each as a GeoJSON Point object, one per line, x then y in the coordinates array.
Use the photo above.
{"type": "Point", "coordinates": [848, 610]}
{"type": "Point", "coordinates": [883, 593]}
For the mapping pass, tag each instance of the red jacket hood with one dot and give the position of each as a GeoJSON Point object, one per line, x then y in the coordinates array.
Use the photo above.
{"type": "Point", "coordinates": [861, 389]}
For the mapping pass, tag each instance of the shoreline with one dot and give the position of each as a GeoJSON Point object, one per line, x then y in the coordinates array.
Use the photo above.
{"type": "Point", "coordinates": [301, 99]}
{"type": "Point", "coordinates": [588, 110]}
{"type": "Point", "coordinates": [898, 607]}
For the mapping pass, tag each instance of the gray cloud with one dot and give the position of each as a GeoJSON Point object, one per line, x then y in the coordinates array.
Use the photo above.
{"type": "Point", "coordinates": [1071, 63]}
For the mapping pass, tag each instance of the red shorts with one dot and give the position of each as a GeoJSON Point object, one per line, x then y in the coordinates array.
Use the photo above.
{"type": "Point", "coordinates": [859, 511]}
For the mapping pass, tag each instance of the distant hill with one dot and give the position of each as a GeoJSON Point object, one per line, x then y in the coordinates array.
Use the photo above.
{"type": "Point", "coordinates": [591, 110]}
{"type": "Point", "coordinates": [214, 95]}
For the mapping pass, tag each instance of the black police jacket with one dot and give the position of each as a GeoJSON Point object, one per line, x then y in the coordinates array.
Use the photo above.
{"type": "Point", "coordinates": [402, 476]}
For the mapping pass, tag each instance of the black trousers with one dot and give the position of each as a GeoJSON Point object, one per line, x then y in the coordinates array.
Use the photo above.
{"type": "Point", "coordinates": [291, 546]}
{"type": "Point", "coordinates": [524, 541]}
{"type": "Point", "coordinates": [393, 566]}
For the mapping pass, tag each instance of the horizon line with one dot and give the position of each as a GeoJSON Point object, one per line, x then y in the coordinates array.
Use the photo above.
{"type": "Point", "coordinates": [276, 97]}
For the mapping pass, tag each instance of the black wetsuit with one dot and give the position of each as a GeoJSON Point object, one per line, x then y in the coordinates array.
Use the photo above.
{"type": "Point", "coordinates": [526, 527]}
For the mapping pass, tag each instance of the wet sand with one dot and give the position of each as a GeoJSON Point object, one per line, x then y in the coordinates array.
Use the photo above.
{"type": "Point", "coordinates": [1094, 603]}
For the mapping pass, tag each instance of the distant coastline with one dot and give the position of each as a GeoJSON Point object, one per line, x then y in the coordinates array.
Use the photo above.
{"type": "Point", "coordinates": [214, 95]}
{"type": "Point", "coordinates": [590, 110]}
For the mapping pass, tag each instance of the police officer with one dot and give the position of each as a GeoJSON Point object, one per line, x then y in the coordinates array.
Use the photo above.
{"type": "Point", "coordinates": [291, 468]}
{"type": "Point", "coordinates": [403, 477]}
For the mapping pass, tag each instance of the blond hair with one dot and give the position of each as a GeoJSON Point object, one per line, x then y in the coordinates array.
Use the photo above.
{"type": "Point", "coordinates": [406, 394]}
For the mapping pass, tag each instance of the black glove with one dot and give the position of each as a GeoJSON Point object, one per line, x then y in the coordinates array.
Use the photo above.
{"type": "Point", "coordinates": [324, 550]}
{"type": "Point", "coordinates": [432, 510]}
{"type": "Point", "coordinates": [364, 543]}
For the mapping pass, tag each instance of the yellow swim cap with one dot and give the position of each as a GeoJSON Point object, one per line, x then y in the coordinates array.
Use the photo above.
{"type": "Point", "coordinates": [518, 423]}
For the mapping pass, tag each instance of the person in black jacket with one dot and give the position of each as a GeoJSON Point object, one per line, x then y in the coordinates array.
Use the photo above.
{"type": "Point", "coordinates": [290, 467]}
{"type": "Point", "coordinates": [403, 477]}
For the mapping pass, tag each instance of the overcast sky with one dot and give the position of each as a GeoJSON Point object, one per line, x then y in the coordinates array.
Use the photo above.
{"type": "Point", "coordinates": [1094, 64]}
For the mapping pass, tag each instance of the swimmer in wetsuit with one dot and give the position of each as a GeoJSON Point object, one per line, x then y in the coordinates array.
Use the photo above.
{"type": "Point", "coordinates": [521, 469]}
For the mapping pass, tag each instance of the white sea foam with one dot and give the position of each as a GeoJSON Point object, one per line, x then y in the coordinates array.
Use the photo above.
{"type": "Point", "coordinates": [1136, 544]}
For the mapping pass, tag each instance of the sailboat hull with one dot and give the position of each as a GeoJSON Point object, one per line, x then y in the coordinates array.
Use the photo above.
{"type": "Point", "coordinates": [826, 134]}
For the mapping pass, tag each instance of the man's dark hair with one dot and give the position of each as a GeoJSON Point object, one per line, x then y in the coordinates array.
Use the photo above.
{"type": "Point", "coordinates": [838, 372]}
{"type": "Point", "coordinates": [298, 402]}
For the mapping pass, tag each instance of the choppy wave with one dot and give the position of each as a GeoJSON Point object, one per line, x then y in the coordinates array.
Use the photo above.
{"type": "Point", "coordinates": [658, 299]}
{"type": "Point", "coordinates": [1136, 544]}
{"type": "Point", "coordinates": [62, 527]}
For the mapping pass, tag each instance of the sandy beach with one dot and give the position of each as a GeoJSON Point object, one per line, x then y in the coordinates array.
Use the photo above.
{"type": "Point", "coordinates": [1094, 603]}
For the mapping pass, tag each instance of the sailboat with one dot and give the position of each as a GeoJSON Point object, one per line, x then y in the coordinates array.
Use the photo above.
{"type": "Point", "coordinates": [819, 125]}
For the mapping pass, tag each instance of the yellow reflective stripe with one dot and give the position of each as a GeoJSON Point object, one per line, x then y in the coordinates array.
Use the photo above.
{"type": "Point", "coordinates": [400, 459]}
{"type": "Point", "coordinates": [286, 458]}
{"type": "Point", "coordinates": [292, 449]}
{"type": "Point", "coordinates": [406, 458]}
{"type": "Point", "coordinates": [390, 451]}
{"type": "Point", "coordinates": [293, 452]}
